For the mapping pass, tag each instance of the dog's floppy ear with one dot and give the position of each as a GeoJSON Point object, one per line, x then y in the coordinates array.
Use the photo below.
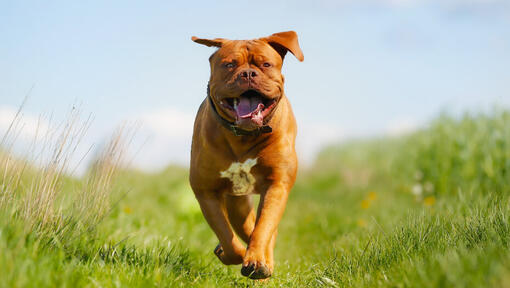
{"type": "Point", "coordinates": [285, 41]}
{"type": "Point", "coordinates": [217, 42]}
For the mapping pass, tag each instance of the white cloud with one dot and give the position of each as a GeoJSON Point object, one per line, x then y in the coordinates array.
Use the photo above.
{"type": "Point", "coordinates": [26, 126]}
{"type": "Point", "coordinates": [35, 138]}
{"type": "Point", "coordinates": [401, 126]}
{"type": "Point", "coordinates": [312, 137]}
{"type": "Point", "coordinates": [169, 121]}
{"type": "Point", "coordinates": [164, 138]}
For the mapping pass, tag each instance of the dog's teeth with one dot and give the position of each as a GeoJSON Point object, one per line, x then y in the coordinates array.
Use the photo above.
{"type": "Point", "coordinates": [235, 103]}
{"type": "Point", "coordinates": [221, 102]}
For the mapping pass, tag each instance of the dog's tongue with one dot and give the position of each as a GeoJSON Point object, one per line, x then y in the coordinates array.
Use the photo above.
{"type": "Point", "coordinates": [248, 106]}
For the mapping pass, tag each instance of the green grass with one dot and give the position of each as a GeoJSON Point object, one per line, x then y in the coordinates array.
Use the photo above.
{"type": "Point", "coordinates": [430, 209]}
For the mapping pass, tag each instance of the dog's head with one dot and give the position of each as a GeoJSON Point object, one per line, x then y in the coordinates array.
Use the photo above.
{"type": "Point", "coordinates": [246, 83]}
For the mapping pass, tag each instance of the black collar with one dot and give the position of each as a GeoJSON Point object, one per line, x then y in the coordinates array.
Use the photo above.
{"type": "Point", "coordinates": [235, 129]}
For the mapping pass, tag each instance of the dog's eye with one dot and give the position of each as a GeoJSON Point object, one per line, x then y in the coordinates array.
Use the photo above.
{"type": "Point", "coordinates": [230, 65]}
{"type": "Point", "coordinates": [266, 64]}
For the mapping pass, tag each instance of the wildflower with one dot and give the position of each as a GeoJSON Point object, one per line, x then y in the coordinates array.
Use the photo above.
{"type": "Point", "coordinates": [128, 210]}
{"type": "Point", "coordinates": [428, 187]}
{"type": "Point", "coordinates": [365, 204]}
{"type": "Point", "coordinates": [372, 196]}
{"type": "Point", "coordinates": [429, 201]}
{"type": "Point", "coordinates": [417, 189]}
{"type": "Point", "coordinates": [361, 223]}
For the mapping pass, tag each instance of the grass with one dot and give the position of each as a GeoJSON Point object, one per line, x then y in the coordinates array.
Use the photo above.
{"type": "Point", "coordinates": [429, 209]}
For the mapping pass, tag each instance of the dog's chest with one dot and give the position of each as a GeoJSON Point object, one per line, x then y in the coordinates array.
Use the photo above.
{"type": "Point", "coordinates": [241, 176]}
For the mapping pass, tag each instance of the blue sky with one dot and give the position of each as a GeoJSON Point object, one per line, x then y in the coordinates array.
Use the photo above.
{"type": "Point", "coordinates": [371, 67]}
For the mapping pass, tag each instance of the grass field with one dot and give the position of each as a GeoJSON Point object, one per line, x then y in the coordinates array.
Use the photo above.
{"type": "Point", "coordinates": [429, 209]}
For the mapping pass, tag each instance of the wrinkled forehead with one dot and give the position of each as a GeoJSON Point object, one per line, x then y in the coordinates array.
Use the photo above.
{"type": "Point", "coordinates": [246, 50]}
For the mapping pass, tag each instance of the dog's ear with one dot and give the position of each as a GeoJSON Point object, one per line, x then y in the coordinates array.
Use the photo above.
{"type": "Point", "coordinates": [285, 41]}
{"type": "Point", "coordinates": [217, 42]}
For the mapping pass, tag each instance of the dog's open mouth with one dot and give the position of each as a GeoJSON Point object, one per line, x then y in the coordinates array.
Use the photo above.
{"type": "Point", "coordinates": [250, 106]}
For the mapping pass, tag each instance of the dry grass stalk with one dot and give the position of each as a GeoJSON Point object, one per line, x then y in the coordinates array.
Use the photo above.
{"type": "Point", "coordinates": [93, 201]}
{"type": "Point", "coordinates": [37, 198]}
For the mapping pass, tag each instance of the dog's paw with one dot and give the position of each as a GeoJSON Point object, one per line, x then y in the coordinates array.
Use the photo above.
{"type": "Point", "coordinates": [255, 267]}
{"type": "Point", "coordinates": [227, 259]}
{"type": "Point", "coordinates": [256, 270]}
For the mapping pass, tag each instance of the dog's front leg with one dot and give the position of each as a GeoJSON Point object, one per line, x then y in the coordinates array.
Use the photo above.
{"type": "Point", "coordinates": [271, 208]}
{"type": "Point", "coordinates": [230, 250]}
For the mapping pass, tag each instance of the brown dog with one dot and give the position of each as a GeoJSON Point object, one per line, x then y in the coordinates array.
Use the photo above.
{"type": "Point", "coordinates": [243, 143]}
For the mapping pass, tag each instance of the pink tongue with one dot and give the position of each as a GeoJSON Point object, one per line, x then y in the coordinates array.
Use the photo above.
{"type": "Point", "coordinates": [244, 106]}
{"type": "Point", "coordinates": [247, 106]}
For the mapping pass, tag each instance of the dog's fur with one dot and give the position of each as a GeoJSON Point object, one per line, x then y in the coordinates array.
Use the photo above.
{"type": "Point", "coordinates": [227, 168]}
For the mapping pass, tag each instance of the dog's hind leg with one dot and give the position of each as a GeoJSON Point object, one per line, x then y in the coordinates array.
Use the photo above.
{"type": "Point", "coordinates": [241, 215]}
{"type": "Point", "coordinates": [231, 250]}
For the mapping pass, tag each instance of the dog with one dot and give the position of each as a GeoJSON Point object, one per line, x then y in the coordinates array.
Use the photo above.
{"type": "Point", "coordinates": [243, 144]}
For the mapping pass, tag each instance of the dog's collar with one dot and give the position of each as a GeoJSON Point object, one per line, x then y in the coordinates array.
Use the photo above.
{"type": "Point", "coordinates": [232, 127]}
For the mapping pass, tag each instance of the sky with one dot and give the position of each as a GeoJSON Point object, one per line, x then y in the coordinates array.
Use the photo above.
{"type": "Point", "coordinates": [372, 67]}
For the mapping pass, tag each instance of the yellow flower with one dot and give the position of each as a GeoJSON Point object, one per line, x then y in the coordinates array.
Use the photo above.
{"type": "Point", "coordinates": [128, 210]}
{"type": "Point", "coordinates": [361, 223]}
{"type": "Point", "coordinates": [365, 204]}
{"type": "Point", "coordinates": [429, 201]}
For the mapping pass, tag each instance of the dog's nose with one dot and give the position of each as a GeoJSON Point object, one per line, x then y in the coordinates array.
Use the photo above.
{"type": "Point", "coordinates": [248, 74]}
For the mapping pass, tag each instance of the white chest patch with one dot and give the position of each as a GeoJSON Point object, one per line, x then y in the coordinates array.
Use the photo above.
{"type": "Point", "coordinates": [240, 176]}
